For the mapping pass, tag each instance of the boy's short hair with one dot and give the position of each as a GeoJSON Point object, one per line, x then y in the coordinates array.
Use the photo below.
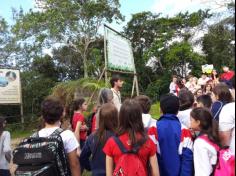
{"type": "Point", "coordinates": [169, 104]}
{"type": "Point", "coordinates": [52, 109]}
{"type": "Point", "coordinates": [145, 103]}
{"type": "Point", "coordinates": [205, 100]}
{"type": "Point", "coordinates": [114, 79]}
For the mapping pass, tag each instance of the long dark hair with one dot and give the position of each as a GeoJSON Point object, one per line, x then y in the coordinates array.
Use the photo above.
{"type": "Point", "coordinates": [108, 121]}
{"type": "Point", "coordinates": [130, 121]}
{"type": "Point", "coordinates": [2, 121]}
{"type": "Point", "coordinates": [208, 125]}
{"type": "Point", "coordinates": [76, 105]}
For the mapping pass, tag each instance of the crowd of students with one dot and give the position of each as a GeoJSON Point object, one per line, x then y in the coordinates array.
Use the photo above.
{"type": "Point", "coordinates": [173, 145]}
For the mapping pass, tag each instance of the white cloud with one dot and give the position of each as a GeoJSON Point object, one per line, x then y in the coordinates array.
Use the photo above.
{"type": "Point", "coordinates": [173, 7]}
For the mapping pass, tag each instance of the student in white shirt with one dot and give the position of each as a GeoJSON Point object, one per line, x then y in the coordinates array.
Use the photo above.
{"type": "Point", "coordinates": [205, 154]}
{"type": "Point", "coordinates": [172, 86]}
{"type": "Point", "coordinates": [227, 123]}
{"type": "Point", "coordinates": [5, 149]}
{"type": "Point", "coordinates": [52, 111]}
{"type": "Point", "coordinates": [145, 103]}
{"type": "Point", "coordinates": [186, 99]}
{"type": "Point", "coordinates": [116, 84]}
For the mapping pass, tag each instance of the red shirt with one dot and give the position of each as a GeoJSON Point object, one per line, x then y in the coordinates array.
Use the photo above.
{"type": "Point", "coordinates": [146, 151]}
{"type": "Point", "coordinates": [79, 118]}
{"type": "Point", "coordinates": [227, 76]}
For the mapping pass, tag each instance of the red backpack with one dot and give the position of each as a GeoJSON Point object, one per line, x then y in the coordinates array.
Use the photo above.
{"type": "Point", "coordinates": [225, 165]}
{"type": "Point", "coordinates": [129, 163]}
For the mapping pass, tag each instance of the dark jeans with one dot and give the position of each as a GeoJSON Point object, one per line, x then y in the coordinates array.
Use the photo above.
{"type": "Point", "coordinates": [4, 172]}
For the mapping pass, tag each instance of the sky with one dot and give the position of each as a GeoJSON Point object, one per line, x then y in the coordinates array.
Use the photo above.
{"type": "Point", "coordinates": [128, 7]}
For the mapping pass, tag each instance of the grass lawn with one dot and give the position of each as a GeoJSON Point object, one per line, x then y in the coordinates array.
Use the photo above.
{"type": "Point", "coordinates": [155, 110]}
{"type": "Point", "coordinates": [21, 134]}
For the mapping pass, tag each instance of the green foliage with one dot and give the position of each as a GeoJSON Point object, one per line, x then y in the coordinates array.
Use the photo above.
{"type": "Point", "coordinates": [218, 46]}
{"type": "Point", "coordinates": [152, 36]}
{"type": "Point", "coordinates": [67, 91]}
{"type": "Point", "coordinates": [155, 110]}
{"type": "Point", "coordinates": [37, 83]}
{"type": "Point", "coordinates": [159, 87]}
{"type": "Point", "coordinates": [73, 24]}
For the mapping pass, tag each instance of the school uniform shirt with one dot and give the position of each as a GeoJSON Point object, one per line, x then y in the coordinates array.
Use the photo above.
{"type": "Point", "coordinates": [175, 155]}
{"type": "Point", "coordinates": [227, 75]}
{"type": "Point", "coordinates": [145, 152]}
{"type": "Point", "coordinates": [78, 117]}
{"type": "Point", "coordinates": [172, 88]}
{"type": "Point", "coordinates": [5, 146]}
{"type": "Point", "coordinates": [116, 98]}
{"type": "Point", "coordinates": [205, 156]}
{"type": "Point", "coordinates": [227, 122]}
{"type": "Point", "coordinates": [69, 140]}
{"type": "Point", "coordinates": [184, 117]}
{"type": "Point", "coordinates": [148, 121]}
{"type": "Point", "coordinates": [216, 109]}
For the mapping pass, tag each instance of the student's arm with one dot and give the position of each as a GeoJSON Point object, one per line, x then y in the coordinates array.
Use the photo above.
{"type": "Point", "coordinates": [7, 146]}
{"type": "Point", "coordinates": [225, 137]}
{"type": "Point", "coordinates": [74, 163]}
{"type": "Point", "coordinates": [226, 125]}
{"type": "Point", "coordinates": [154, 166]}
{"type": "Point", "coordinates": [109, 166]}
{"type": "Point", "coordinates": [77, 130]}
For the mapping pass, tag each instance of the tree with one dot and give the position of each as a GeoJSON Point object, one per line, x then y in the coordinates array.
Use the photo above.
{"type": "Point", "coordinates": [37, 83]}
{"type": "Point", "coordinates": [219, 42]}
{"type": "Point", "coordinates": [153, 37]}
{"type": "Point", "coordinates": [70, 23]}
{"type": "Point", "coordinates": [219, 47]}
{"type": "Point", "coordinates": [7, 44]}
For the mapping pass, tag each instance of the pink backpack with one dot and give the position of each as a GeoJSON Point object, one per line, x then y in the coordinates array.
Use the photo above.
{"type": "Point", "coordinates": [225, 165]}
{"type": "Point", "coordinates": [129, 163]}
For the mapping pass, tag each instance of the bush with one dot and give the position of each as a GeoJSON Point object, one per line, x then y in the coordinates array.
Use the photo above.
{"type": "Point", "coordinates": [158, 88]}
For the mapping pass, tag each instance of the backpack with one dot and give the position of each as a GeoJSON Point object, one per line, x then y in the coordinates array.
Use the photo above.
{"type": "Point", "coordinates": [89, 123]}
{"type": "Point", "coordinates": [225, 160]}
{"type": "Point", "coordinates": [129, 163]}
{"type": "Point", "coordinates": [41, 156]}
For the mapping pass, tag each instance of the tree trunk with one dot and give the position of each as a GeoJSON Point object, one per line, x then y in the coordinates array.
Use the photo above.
{"type": "Point", "coordinates": [85, 65]}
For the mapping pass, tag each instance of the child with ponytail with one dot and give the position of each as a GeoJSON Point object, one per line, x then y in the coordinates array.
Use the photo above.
{"type": "Point", "coordinates": [205, 154]}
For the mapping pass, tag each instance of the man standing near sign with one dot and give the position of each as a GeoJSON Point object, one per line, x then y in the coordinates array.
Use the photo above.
{"type": "Point", "coordinates": [116, 84]}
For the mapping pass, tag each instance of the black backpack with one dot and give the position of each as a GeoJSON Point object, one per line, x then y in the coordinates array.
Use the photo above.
{"type": "Point", "coordinates": [41, 156]}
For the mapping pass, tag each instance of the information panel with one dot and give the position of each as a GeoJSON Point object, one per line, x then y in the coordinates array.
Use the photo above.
{"type": "Point", "coordinates": [120, 55]}
{"type": "Point", "coordinates": [10, 89]}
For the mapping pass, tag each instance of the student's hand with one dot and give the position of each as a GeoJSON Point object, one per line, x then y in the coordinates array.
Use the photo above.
{"type": "Point", "coordinates": [83, 128]}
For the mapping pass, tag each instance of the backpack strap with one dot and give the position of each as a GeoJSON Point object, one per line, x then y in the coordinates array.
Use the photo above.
{"type": "Point", "coordinates": [120, 145]}
{"type": "Point", "coordinates": [135, 148]}
{"type": "Point", "coordinates": [205, 138]}
{"type": "Point", "coordinates": [58, 131]}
